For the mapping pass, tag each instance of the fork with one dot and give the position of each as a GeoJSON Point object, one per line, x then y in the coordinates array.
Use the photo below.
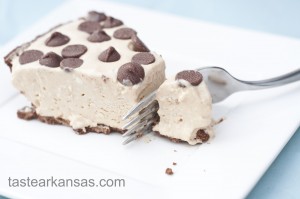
{"type": "Point", "coordinates": [221, 85]}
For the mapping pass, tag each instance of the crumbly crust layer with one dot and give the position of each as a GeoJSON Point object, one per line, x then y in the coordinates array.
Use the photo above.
{"type": "Point", "coordinates": [176, 140]}
{"type": "Point", "coordinates": [29, 113]}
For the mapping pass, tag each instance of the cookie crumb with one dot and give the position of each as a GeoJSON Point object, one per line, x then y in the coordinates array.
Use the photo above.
{"type": "Point", "coordinates": [174, 163]}
{"type": "Point", "coordinates": [169, 171]}
{"type": "Point", "coordinates": [27, 113]}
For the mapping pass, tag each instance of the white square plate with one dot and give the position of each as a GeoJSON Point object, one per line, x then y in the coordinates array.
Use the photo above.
{"type": "Point", "coordinates": [257, 125]}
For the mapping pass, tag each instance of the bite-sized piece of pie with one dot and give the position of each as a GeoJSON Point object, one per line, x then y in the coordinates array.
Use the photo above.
{"type": "Point", "coordinates": [185, 108]}
{"type": "Point", "coordinates": [86, 73]}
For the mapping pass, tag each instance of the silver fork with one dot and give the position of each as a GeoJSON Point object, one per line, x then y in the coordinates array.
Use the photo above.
{"type": "Point", "coordinates": [221, 85]}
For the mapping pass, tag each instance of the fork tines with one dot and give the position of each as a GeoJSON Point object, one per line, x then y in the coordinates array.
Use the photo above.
{"type": "Point", "coordinates": [142, 123]}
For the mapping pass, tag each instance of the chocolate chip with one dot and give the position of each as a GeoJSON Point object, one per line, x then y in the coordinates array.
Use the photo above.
{"type": "Point", "coordinates": [124, 33]}
{"type": "Point", "coordinates": [130, 74]}
{"type": "Point", "coordinates": [69, 64]}
{"type": "Point", "coordinates": [138, 45]}
{"type": "Point", "coordinates": [51, 59]}
{"type": "Point", "coordinates": [89, 26]}
{"type": "Point", "coordinates": [109, 55]}
{"type": "Point", "coordinates": [57, 39]}
{"type": "Point", "coordinates": [98, 36]}
{"type": "Point", "coordinates": [74, 51]}
{"type": "Point", "coordinates": [193, 77]}
{"type": "Point", "coordinates": [204, 137]}
{"type": "Point", "coordinates": [111, 22]}
{"type": "Point", "coordinates": [143, 58]}
{"type": "Point", "coordinates": [30, 56]}
{"type": "Point", "coordinates": [96, 16]}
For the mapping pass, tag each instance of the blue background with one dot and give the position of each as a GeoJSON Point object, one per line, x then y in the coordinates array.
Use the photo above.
{"type": "Point", "coordinates": [282, 180]}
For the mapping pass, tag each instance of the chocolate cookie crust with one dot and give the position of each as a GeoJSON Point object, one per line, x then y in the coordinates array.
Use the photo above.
{"type": "Point", "coordinates": [29, 113]}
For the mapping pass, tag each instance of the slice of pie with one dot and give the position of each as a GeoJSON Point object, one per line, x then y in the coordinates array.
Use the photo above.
{"type": "Point", "coordinates": [85, 74]}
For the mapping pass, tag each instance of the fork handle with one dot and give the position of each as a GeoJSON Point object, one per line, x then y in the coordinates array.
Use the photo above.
{"type": "Point", "coordinates": [273, 82]}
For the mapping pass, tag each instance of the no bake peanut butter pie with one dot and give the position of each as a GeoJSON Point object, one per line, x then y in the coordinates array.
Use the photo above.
{"type": "Point", "coordinates": [88, 73]}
